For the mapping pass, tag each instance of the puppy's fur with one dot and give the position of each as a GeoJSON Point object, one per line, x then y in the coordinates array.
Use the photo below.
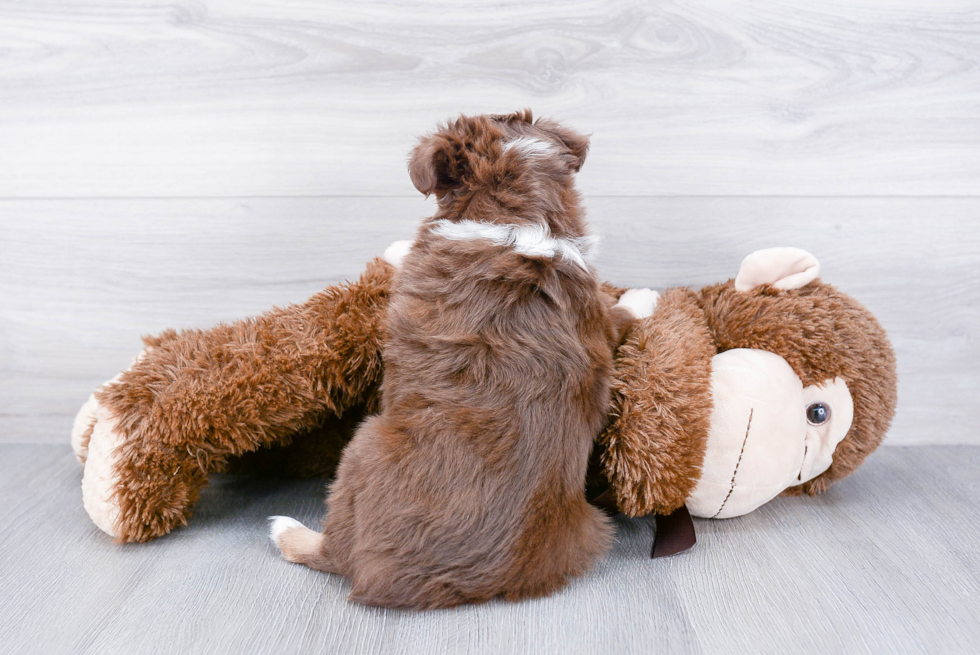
{"type": "Point", "coordinates": [470, 483]}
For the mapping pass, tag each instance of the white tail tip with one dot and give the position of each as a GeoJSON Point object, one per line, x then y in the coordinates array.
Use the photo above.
{"type": "Point", "coordinates": [279, 525]}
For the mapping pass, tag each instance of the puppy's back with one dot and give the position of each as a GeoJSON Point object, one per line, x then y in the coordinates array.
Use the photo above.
{"type": "Point", "coordinates": [497, 380]}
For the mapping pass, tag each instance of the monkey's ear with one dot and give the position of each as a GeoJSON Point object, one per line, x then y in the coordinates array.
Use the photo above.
{"type": "Point", "coordinates": [433, 166]}
{"type": "Point", "coordinates": [783, 268]}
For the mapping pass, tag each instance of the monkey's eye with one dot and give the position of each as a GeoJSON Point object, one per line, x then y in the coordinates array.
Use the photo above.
{"type": "Point", "coordinates": [817, 414]}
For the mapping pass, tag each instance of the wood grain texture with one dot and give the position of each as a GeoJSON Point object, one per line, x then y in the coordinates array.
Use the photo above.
{"type": "Point", "coordinates": [242, 139]}
{"type": "Point", "coordinates": [885, 562]}
{"type": "Point", "coordinates": [263, 98]}
{"type": "Point", "coordinates": [81, 280]}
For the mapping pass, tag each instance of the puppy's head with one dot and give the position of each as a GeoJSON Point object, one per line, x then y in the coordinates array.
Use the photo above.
{"type": "Point", "coordinates": [512, 158]}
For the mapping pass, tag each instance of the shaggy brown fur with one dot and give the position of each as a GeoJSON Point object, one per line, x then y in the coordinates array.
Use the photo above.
{"type": "Point", "coordinates": [200, 397]}
{"type": "Point", "coordinates": [470, 483]}
{"type": "Point", "coordinates": [823, 334]}
{"type": "Point", "coordinates": [655, 443]}
{"type": "Point", "coordinates": [281, 393]}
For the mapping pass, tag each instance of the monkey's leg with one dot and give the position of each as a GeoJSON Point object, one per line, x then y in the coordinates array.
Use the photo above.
{"type": "Point", "coordinates": [199, 397]}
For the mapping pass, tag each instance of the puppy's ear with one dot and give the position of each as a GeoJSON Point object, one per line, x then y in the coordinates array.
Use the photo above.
{"type": "Point", "coordinates": [432, 165]}
{"type": "Point", "coordinates": [521, 116]}
{"type": "Point", "coordinates": [577, 144]}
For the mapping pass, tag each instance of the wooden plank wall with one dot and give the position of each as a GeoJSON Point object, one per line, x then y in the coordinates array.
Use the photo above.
{"type": "Point", "coordinates": [180, 164]}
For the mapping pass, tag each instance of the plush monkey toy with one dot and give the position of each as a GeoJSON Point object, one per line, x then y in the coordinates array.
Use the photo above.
{"type": "Point", "coordinates": [773, 382]}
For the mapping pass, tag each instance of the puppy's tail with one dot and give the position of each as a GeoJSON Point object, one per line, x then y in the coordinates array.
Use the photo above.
{"type": "Point", "coordinates": [299, 544]}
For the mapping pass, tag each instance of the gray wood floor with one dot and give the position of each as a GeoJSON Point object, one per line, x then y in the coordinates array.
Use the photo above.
{"type": "Point", "coordinates": [886, 562]}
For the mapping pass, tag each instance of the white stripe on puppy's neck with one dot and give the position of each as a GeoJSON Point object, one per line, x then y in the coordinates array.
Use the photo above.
{"type": "Point", "coordinates": [529, 240]}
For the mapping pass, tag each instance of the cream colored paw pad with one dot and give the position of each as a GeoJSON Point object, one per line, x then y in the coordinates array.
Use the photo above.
{"type": "Point", "coordinates": [641, 302]}
{"type": "Point", "coordinates": [100, 479]}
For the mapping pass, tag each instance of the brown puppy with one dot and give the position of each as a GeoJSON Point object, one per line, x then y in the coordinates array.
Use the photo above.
{"type": "Point", "coordinates": [470, 483]}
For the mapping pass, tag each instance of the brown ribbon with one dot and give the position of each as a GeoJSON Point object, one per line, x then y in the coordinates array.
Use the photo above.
{"type": "Point", "coordinates": [674, 532]}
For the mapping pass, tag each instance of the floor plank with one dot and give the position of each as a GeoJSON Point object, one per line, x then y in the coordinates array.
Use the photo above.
{"type": "Point", "coordinates": [884, 562]}
{"type": "Point", "coordinates": [82, 280]}
{"type": "Point", "coordinates": [296, 97]}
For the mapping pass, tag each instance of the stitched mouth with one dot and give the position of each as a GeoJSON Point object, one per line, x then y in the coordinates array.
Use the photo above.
{"type": "Point", "coordinates": [748, 427]}
{"type": "Point", "coordinates": [800, 476]}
